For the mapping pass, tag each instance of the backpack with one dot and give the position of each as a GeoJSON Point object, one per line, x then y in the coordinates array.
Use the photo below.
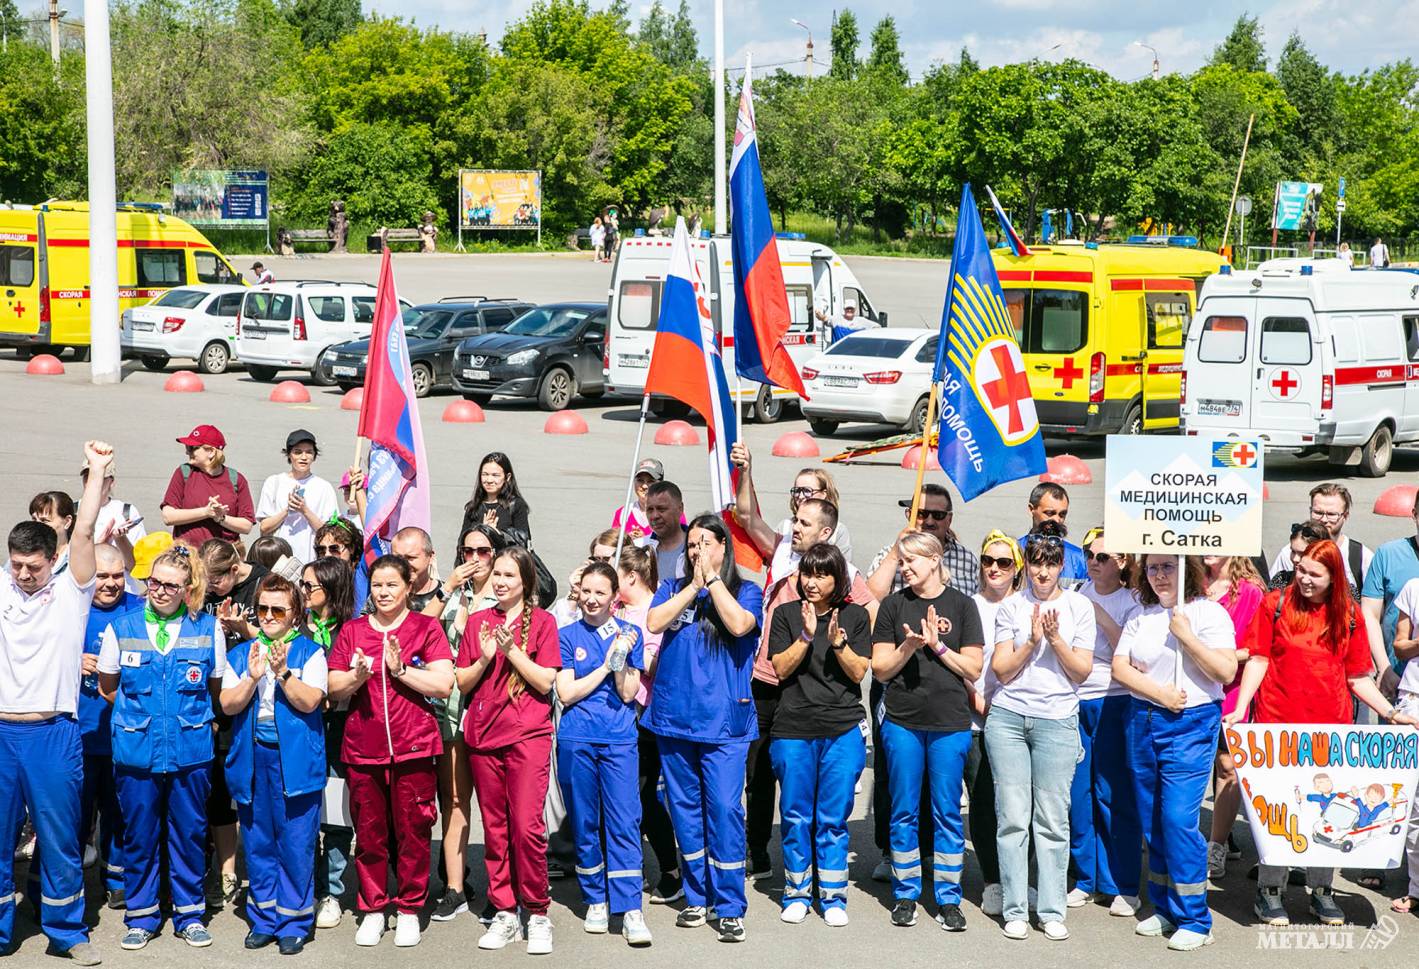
{"type": "Point", "coordinates": [1281, 601]}
{"type": "Point", "coordinates": [187, 473]}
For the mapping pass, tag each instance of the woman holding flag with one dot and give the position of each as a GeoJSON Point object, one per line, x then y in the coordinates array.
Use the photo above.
{"type": "Point", "coordinates": [702, 713]}
{"type": "Point", "coordinates": [1174, 656]}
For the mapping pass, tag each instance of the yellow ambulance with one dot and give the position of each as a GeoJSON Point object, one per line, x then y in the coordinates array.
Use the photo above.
{"type": "Point", "coordinates": [1101, 328]}
{"type": "Point", "coordinates": [44, 269]}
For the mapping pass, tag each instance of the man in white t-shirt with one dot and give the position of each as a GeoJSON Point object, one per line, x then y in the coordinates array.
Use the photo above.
{"type": "Point", "coordinates": [118, 523]}
{"type": "Point", "coordinates": [1330, 505]}
{"type": "Point", "coordinates": [295, 503]}
{"type": "Point", "coordinates": [1379, 255]}
{"type": "Point", "coordinates": [42, 625]}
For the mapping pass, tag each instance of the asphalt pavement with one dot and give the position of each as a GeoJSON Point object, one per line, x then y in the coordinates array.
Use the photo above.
{"type": "Point", "coordinates": [572, 484]}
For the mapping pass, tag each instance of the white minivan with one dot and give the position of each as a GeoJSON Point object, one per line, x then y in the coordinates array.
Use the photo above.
{"type": "Point", "coordinates": [288, 325]}
{"type": "Point", "coordinates": [190, 323]}
{"type": "Point", "coordinates": [814, 276]}
{"type": "Point", "coordinates": [1310, 357]}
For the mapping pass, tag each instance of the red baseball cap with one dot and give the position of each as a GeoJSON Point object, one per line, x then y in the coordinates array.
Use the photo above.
{"type": "Point", "coordinates": [204, 434]}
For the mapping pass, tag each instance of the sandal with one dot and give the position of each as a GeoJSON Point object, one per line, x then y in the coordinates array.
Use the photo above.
{"type": "Point", "coordinates": [1373, 882]}
{"type": "Point", "coordinates": [1404, 904]}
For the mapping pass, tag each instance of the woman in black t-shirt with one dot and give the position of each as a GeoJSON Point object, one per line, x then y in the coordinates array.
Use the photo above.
{"type": "Point", "coordinates": [497, 502]}
{"type": "Point", "coordinates": [821, 648]}
{"type": "Point", "coordinates": [926, 649]}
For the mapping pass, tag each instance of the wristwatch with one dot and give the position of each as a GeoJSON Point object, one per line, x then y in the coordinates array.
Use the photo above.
{"type": "Point", "coordinates": [286, 675]}
{"type": "Point", "coordinates": [712, 580]}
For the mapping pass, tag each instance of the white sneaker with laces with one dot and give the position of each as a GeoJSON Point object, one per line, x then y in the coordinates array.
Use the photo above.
{"type": "Point", "coordinates": [406, 930]}
{"type": "Point", "coordinates": [1153, 925]}
{"type": "Point", "coordinates": [504, 928]}
{"type": "Point", "coordinates": [598, 919]}
{"type": "Point", "coordinates": [835, 916]}
{"type": "Point", "coordinates": [1055, 931]}
{"type": "Point", "coordinates": [1077, 898]}
{"type": "Point", "coordinates": [1017, 929]}
{"type": "Point", "coordinates": [634, 930]}
{"type": "Point", "coordinates": [539, 936]}
{"type": "Point", "coordinates": [1216, 860]}
{"type": "Point", "coordinates": [371, 929]}
{"type": "Point", "coordinates": [327, 913]}
{"type": "Point", "coordinates": [992, 900]}
{"type": "Point", "coordinates": [1186, 940]}
{"type": "Point", "coordinates": [794, 912]}
{"type": "Point", "coordinates": [1125, 906]}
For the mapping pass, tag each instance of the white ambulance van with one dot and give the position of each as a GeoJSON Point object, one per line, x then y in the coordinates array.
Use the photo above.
{"type": "Point", "coordinates": [813, 275]}
{"type": "Point", "coordinates": [1309, 356]}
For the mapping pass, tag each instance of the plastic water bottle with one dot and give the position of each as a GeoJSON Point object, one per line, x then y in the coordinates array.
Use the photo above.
{"type": "Point", "coordinates": [620, 649]}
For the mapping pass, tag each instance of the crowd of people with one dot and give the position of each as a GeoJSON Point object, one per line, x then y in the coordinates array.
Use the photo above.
{"type": "Point", "coordinates": [252, 682]}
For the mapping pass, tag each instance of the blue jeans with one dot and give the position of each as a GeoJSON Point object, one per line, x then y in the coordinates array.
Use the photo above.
{"type": "Point", "coordinates": [912, 754]}
{"type": "Point", "coordinates": [1033, 760]}
{"type": "Point", "coordinates": [1104, 830]}
{"type": "Point", "coordinates": [332, 858]}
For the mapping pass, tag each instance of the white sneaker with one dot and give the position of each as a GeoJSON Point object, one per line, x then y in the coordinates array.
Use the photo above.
{"type": "Point", "coordinates": [539, 936]}
{"type": "Point", "coordinates": [327, 913]}
{"type": "Point", "coordinates": [1216, 860]}
{"type": "Point", "coordinates": [371, 929]}
{"type": "Point", "coordinates": [882, 872]}
{"type": "Point", "coordinates": [406, 930]}
{"type": "Point", "coordinates": [1154, 925]}
{"type": "Point", "coordinates": [835, 916]}
{"type": "Point", "coordinates": [794, 912]}
{"type": "Point", "coordinates": [598, 919]}
{"type": "Point", "coordinates": [1055, 931]}
{"type": "Point", "coordinates": [1185, 940]}
{"type": "Point", "coordinates": [1077, 898]}
{"type": "Point", "coordinates": [1017, 929]}
{"type": "Point", "coordinates": [504, 928]}
{"type": "Point", "coordinates": [1125, 906]}
{"type": "Point", "coordinates": [992, 900]}
{"type": "Point", "coordinates": [634, 930]}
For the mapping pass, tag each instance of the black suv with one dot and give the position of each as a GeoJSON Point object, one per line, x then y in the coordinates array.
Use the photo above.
{"type": "Point", "coordinates": [551, 352]}
{"type": "Point", "coordinates": [433, 331]}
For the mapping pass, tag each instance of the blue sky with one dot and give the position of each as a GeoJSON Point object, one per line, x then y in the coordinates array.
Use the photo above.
{"type": "Point", "coordinates": [1350, 35]}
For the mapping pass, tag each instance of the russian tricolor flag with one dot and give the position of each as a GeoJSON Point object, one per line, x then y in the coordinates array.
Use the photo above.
{"type": "Point", "coordinates": [397, 485]}
{"type": "Point", "coordinates": [1017, 244]}
{"type": "Point", "coordinates": [761, 314]}
{"type": "Point", "coordinates": [686, 365]}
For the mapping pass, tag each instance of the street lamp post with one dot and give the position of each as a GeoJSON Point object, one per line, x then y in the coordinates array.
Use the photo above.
{"type": "Point", "coordinates": [808, 57]}
{"type": "Point", "coordinates": [1139, 43]}
{"type": "Point", "coordinates": [104, 362]}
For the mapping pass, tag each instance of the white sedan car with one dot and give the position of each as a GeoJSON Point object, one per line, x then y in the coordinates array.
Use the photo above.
{"type": "Point", "coordinates": [191, 322]}
{"type": "Point", "coordinates": [880, 376]}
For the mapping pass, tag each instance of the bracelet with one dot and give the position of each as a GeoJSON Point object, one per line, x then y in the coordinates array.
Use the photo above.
{"type": "Point", "coordinates": [1392, 711]}
{"type": "Point", "coordinates": [712, 580]}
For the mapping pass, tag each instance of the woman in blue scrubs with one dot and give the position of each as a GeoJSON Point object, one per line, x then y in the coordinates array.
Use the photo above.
{"type": "Point", "coordinates": [702, 712]}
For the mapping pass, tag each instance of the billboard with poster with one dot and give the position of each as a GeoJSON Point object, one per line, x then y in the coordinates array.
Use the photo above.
{"type": "Point", "coordinates": [226, 199]}
{"type": "Point", "coordinates": [499, 199]}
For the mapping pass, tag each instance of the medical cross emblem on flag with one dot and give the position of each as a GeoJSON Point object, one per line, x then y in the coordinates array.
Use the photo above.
{"type": "Point", "coordinates": [1000, 376]}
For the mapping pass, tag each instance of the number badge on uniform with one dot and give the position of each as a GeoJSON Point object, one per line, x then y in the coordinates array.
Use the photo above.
{"type": "Point", "coordinates": [131, 658]}
{"type": "Point", "coordinates": [608, 629]}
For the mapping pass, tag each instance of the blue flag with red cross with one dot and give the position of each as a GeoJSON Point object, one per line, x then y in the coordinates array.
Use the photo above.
{"type": "Point", "coordinates": [989, 433]}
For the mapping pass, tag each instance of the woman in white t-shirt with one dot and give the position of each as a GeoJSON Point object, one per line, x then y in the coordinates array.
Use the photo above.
{"type": "Point", "coordinates": [1044, 648]}
{"type": "Point", "coordinates": [1103, 820]}
{"type": "Point", "coordinates": [1175, 660]}
{"type": "Point", "coordinates": [295, 503]}
{"type": "Point", "coordinates": [1001, 570]}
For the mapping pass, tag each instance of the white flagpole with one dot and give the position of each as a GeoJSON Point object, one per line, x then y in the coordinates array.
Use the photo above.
{"type": "Point", "coordinates": [1182, 597]}
{"type": "Point", "coordinates": [739, 414]}
{"type": "Point", "coordinates": [720, 222]}
{"type": "Point", "coordinates": [631, 484]}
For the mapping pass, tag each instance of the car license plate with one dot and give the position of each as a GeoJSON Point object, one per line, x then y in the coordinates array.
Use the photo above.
{"type": "Point", "coordinates": [144, 325]}
{"type": "Point", "coordinates": [343, 371]}
{"type": "Point", "coordinates": [839, 381]}
{"type": "Point", "coordinates": [475, 374]}
{"type": "Point", "coordinates": [627, 360]}
{"type": "Point", "coordinates": [251, 334]}
{"type": "Point", "coordinates": [1219, 408]}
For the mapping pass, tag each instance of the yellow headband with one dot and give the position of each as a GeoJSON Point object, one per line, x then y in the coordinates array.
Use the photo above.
{"type": "Point", "coordinates": [1000, 538]}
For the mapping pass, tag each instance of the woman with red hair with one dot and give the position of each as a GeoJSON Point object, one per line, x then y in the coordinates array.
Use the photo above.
{"type": "Point", "coordinates": [1308, 652]}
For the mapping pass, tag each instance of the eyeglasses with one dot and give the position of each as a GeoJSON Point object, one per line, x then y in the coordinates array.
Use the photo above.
{"type": "Point", "coordinates": [1102, 557]}
{"type": "Point", "coordinates": [806, 492]}
{"type": "Point", "coordinates": [926, 513]}
{"type": "Point", "coordinates": [481, 551]}
{"type": "Point", "coordinates": [275, 612]}
{"type": "Point", "coordinates": [1162, 568]}
{"type": "Point", "coordinates": [157, 585]}
{"type": "Point", "coordinates": [329, 549]}
{"type": "Point", "coordinates": [1328, 516]}
{"type": "Point", "coordinates": [308, 587]}
{"type": "Point", "coordinates": [1005, 563]}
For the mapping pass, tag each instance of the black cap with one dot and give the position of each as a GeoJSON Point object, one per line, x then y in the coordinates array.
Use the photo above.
{"type": "Point", "coordinates": [300, 436]}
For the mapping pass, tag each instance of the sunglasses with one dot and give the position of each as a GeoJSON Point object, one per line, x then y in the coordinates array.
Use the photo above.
{"type": "Point", "coordinates": [308, 587]}
{"type": "Point", "coordinates": [171, 588]}
{"type": "Point", "coordinates": [806, 492]}
{"type": "Point", "coordinates": [275, 612]}
{"type": "Point", "coordinates": [329, 549]}
{"type": "Point", "coordinates": [1006, 563]}
{"type": "Point", "coordinates": [1048, 541]}
{"type": "Point", "coordinates": [936, 516]}
{"type": "Point", "coordinates": [480, 551]}
{"type": "Point", "coordinates": [1102, 557]}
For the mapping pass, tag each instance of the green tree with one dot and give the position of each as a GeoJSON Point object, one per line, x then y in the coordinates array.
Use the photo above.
{"type": "Point", "coordinates": [381, 170]}
{"type": "Point", "coordinates": [844, 40]}
{"type": "Point", "coordinates": [11, 26]}
{"type": "Point", "coordinates": [1311, 90]}
{"type": "Point", "coordinates": [322, 22]}
{"type": "Point", "coordinates": [671, 38]}
{"type": "Point", "coordinates": [885, 58]}
{"type": "Point", "coordinates": [1243, 48]}
{"type": "Point", "coordinates": [42, 145]}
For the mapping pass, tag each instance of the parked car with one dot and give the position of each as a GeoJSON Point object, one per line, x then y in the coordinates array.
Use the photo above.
{"type": "Point", "coordinates": [880, 376]}
{"type": "Point", "coordinates": [433, 331]}
{"type": "Point", "coordinates": [551, 353]}
{"type": "Point", "coordinates": [190, 323]}
{"type": "Point", "coordinates": [288, 325]}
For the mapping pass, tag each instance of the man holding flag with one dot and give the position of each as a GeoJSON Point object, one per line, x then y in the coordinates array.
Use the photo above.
{"type": "Point", "coordinates": [397, 484]}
